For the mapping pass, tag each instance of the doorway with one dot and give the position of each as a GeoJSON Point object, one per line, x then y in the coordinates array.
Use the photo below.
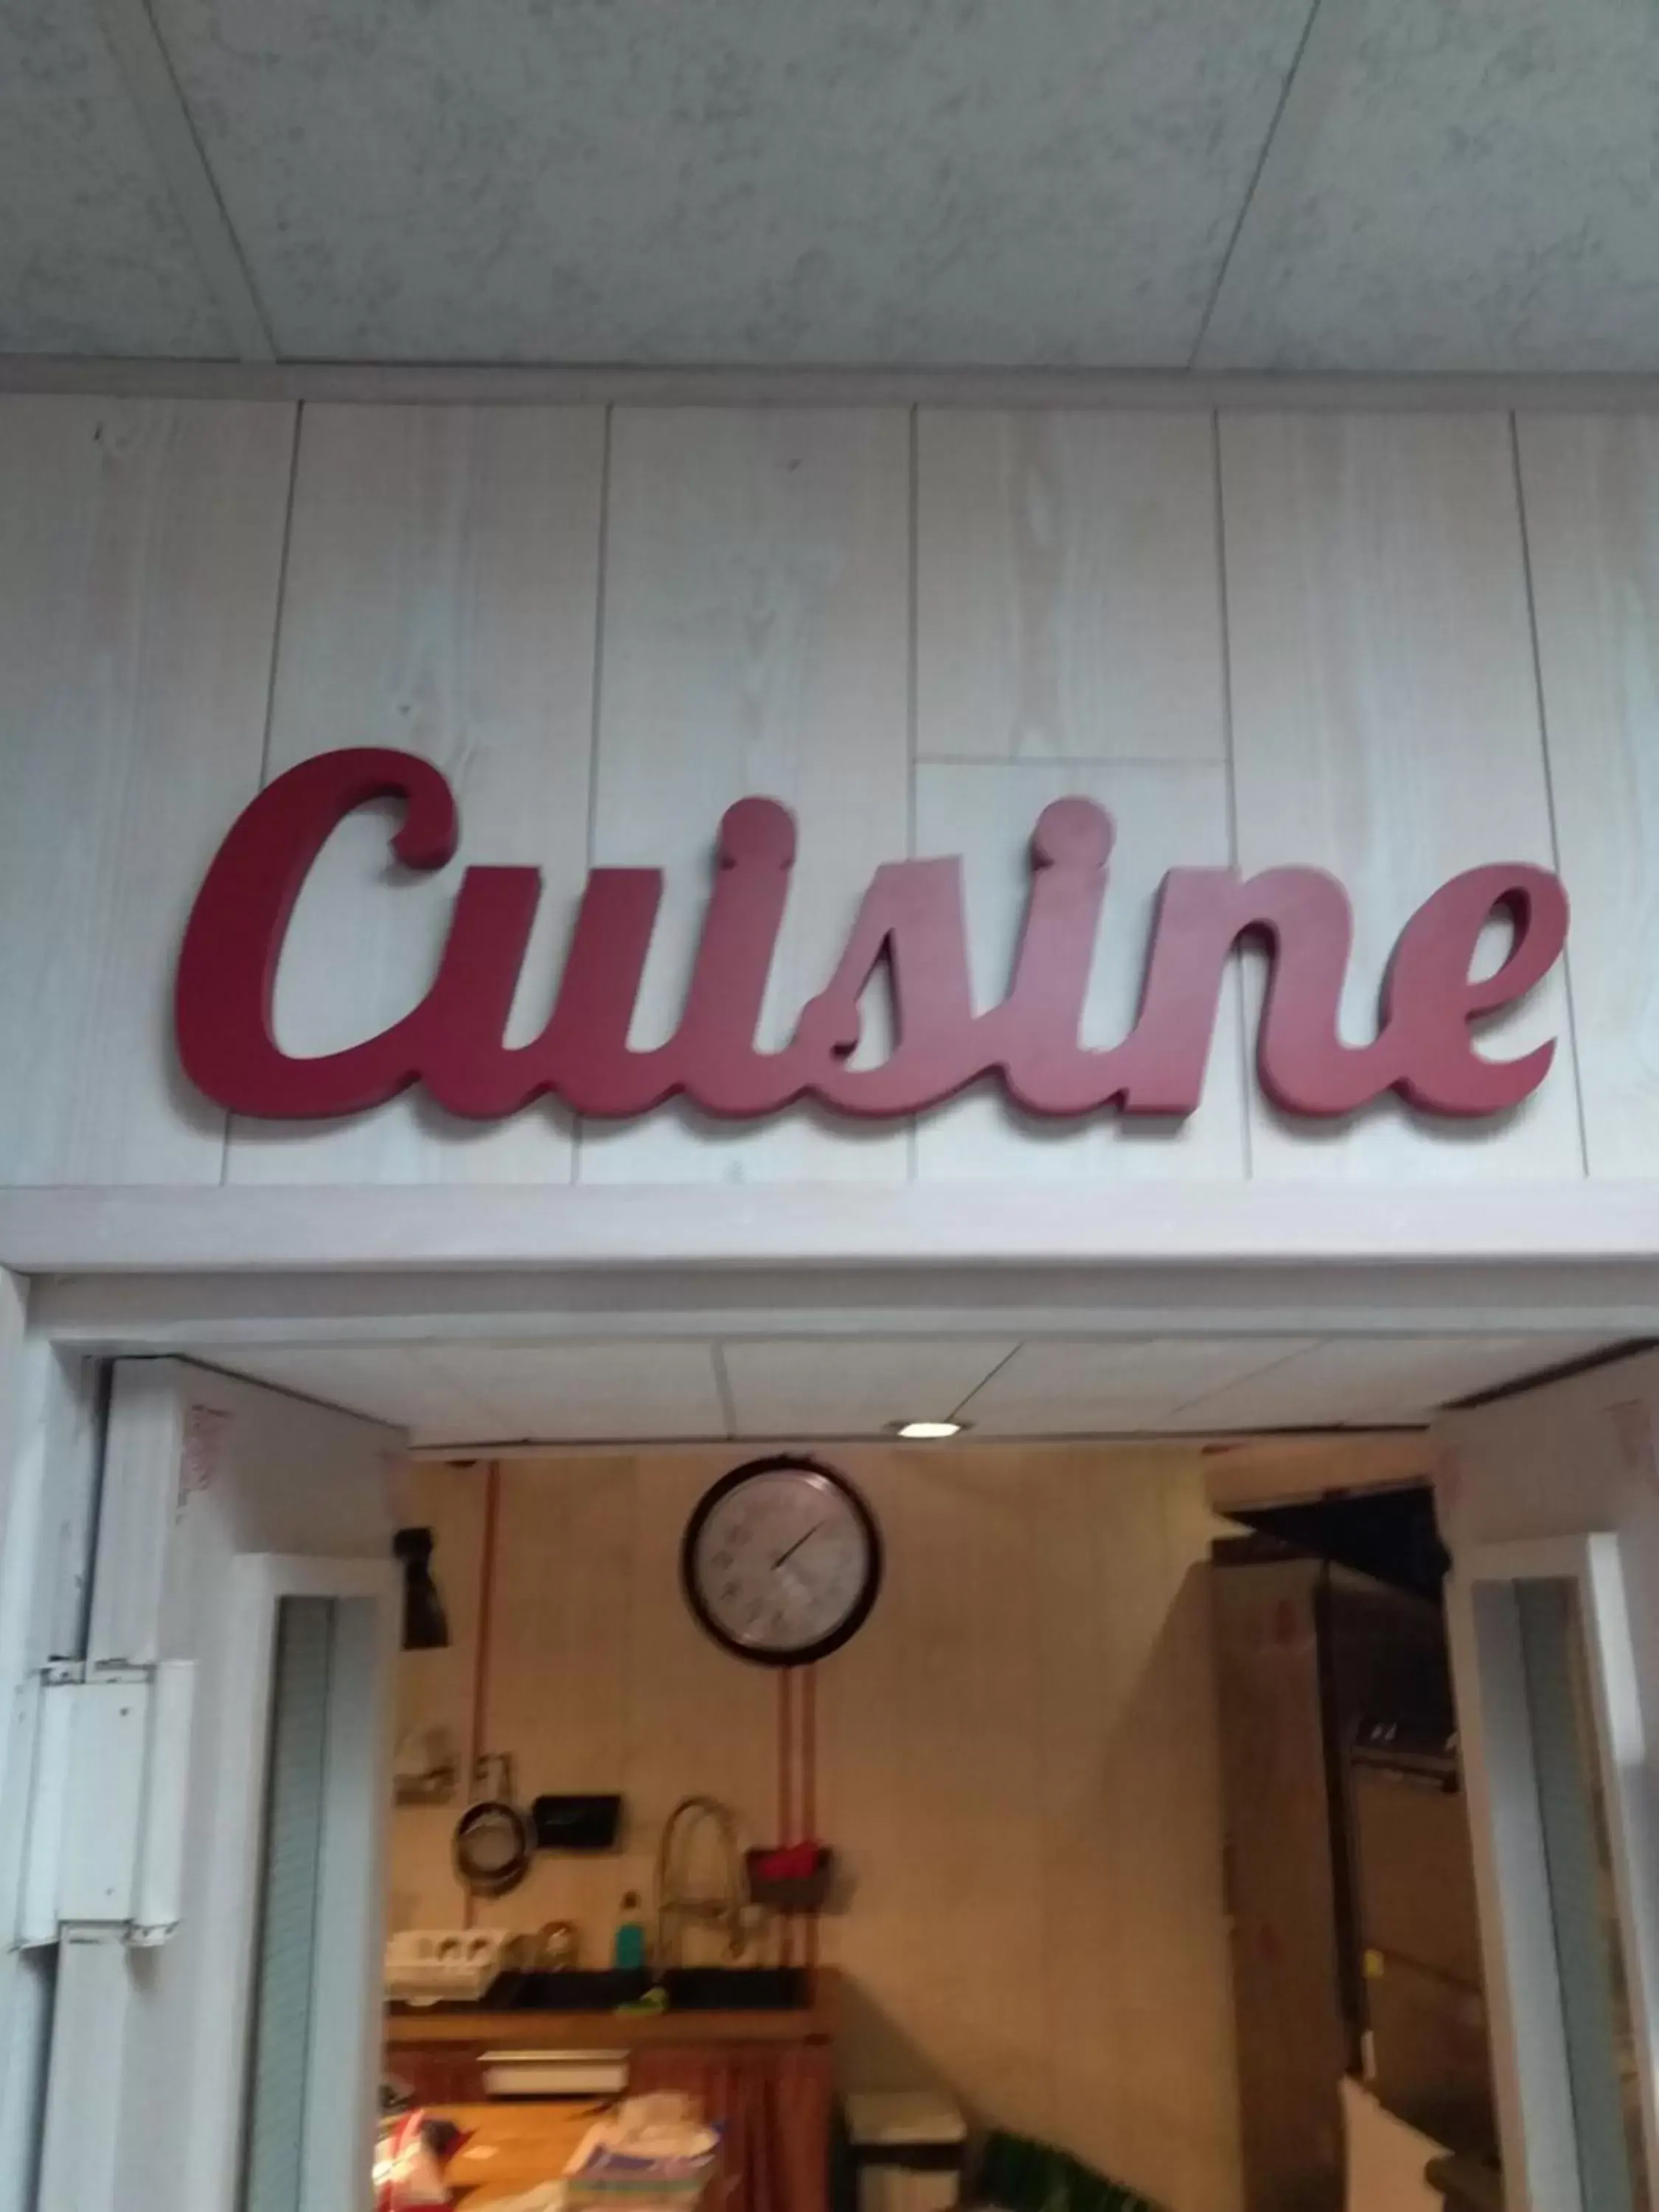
{"type": "Point", "coordinates": [1117, 1374]}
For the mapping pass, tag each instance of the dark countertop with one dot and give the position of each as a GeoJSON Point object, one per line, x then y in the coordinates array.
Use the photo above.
{"type": "Point", "coordinates": [411, 2025]}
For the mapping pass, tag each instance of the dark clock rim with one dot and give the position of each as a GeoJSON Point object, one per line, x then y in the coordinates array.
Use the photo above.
{"type": "Point", "coordinates": [799, 1655]}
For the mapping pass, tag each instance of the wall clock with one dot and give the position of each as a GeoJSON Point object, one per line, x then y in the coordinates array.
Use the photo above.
{"type": "Point", "coordinates": [782, 1561]}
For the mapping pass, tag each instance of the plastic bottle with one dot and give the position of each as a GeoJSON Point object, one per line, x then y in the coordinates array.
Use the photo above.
{"type": "Point", "coordinates": [628, 1951]}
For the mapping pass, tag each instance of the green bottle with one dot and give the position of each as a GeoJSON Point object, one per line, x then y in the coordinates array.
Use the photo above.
{"type": "Point", "coordinates": [628, 1952]}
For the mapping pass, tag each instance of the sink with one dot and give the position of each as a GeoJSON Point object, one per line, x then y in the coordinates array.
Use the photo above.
{"type": "Point", "coordinates": [737, 1989]}
{"type": "Point", "coordinates": [690, 1989]}
{"type": "Point", "coordinates": [568, 1988]}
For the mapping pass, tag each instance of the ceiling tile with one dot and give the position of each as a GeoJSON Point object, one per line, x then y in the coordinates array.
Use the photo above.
{"type": "Point", "coordinates": [93, 259]}
{"type": "Point", "coordinates": [397, 1384]}
{"type": "Point", "coordinates": [1481, 195]}
{"type": "Point", "coordinates": [853, 1386]}
{"type": "Point", "coordinates": [1076, 1388]}
{"type": "Point", "coordinates": [1378, 1380]}
{"type": "Point", "coordinates": [857, 180]}
{"type": "Point", "coordinates": [483, 1393]}
{"type": "Point", "coordinates": [584, 1393]}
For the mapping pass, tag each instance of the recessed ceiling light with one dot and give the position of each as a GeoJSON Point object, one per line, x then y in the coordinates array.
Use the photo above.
{"type": "Point", "coordinates": [917, 1433]}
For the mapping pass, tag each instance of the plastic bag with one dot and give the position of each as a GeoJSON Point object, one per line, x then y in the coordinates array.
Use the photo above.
{"type": "Point", "coordinates": [408, 2170]}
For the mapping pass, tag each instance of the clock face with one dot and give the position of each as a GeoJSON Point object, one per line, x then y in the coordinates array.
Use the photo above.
{"type": "Point", "coordinates": [782, 1561]}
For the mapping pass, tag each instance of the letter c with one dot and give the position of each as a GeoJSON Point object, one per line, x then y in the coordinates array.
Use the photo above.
{"type": "Point", "coordinates": [234, 939]}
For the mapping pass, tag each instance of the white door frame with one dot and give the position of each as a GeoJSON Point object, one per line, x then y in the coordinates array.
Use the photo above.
{"type": "Point", "coordinates": [48, 1478]}
{"type": "Point", "coordinates": [1532, 2079]}
{"type": "Point", "coordinates": [343, 2072]}
{"type": "Point", "coordinates": [158, 1272]}
{"type": "Point", "coordinates": [52, 1607]}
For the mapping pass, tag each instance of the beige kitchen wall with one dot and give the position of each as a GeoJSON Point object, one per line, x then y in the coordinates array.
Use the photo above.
{"type": "Point", "coordinates": [1017, 1761]}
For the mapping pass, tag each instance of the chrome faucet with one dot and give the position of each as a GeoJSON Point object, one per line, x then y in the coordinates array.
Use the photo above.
{"type": "Point", "coordinates": [674, 1906]}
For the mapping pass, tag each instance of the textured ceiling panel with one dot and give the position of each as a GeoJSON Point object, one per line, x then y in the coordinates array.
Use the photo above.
{"type": "Point", "coordinates": [400, 1384]}
{"type": "Point", "coordinates": [1382, 1381]}
{"type": "Point", "coordinates": [853, 1386]}
{"type": "Point", "coordinates": [1482, 193]}
{"type": "Point", "coordinates": [809, 181]}
{"type": "Point", "coordinates": [620, 1391]}
{"type": "Point", "coordinates": [1072, 1388]}
{"type": "Point", "coordinates": [93, 259]}
{"type": "Point", "coordinates": [587, 1392]}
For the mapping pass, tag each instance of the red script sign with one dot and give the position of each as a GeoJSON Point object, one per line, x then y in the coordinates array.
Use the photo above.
{"type": "Point", "coordinates": [910, 924]}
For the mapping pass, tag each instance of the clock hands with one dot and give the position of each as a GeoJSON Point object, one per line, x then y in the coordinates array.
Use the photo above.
{"type": "Point", "coordinates": [784, 1556]}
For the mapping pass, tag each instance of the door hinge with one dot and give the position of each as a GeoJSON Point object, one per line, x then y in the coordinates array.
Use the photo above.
{"type": "Point", "coordinates": [103, 1849]}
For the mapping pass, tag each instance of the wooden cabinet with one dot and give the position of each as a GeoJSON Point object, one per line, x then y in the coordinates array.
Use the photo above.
{"type": "Point", "coordinates": [438, 2073]}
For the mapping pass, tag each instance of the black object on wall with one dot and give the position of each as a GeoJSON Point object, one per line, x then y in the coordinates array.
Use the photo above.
{"type": "Point", "coordinates": [426, 1625]}
{"type": "Point", "coordinates": [577, 1823]}
{"type": "Point", "coordinates": [1390, 1534]}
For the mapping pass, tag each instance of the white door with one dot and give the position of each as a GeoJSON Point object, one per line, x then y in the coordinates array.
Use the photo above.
{"type": "Point", "coordinates": [216, 2029]}
{"type": "Point", "coordinates": [1549, 1504]}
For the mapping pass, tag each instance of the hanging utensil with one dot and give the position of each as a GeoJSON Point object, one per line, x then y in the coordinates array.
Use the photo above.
{"type": "Point", "coordinates": [494, 1839]}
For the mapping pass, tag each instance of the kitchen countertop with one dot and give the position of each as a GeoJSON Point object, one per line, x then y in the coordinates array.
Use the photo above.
{"type": "Point", "coordinates": [618, 2030]}
{"type": "Point", "coordinates": [513, 2148]}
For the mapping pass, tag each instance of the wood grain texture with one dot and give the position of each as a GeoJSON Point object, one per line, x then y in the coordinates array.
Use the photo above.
{"type": "Point", "coordinates": [1385, 726]}
{"type": "Point", "coordinates": [755, 642]}
{"type": "Point", "coordinates": [442, 589]}
{"type": "Point", "coordinates": [1068, 600]}
{"type": "Point", "coordinates": [1167, 813]}
{"type": "Point", "coordinates": [1592, 513]}
{"type": "Point", "coordinates": [140, 548]}
{"type": "Point", "coordinates": [1017, 1762]}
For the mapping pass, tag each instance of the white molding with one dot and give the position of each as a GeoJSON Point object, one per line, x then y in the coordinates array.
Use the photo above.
{"type": "Point", "coordinates": [416, 384]}
{"type": "Point", "coordinates": [205, 1313]}
{"type": "Point", "coordinates": [128, 1228]}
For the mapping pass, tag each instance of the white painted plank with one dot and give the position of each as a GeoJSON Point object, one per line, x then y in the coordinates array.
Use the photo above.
{"type": "Point", "coordinates": [1067, 593]}
{"type": "Point", "coordinates": [854, 1385]}
{"type": "Point", "coordinates": [755, 642]}
{"type": "Point", "coordinates": [1385, 728]}
{"type": "Point", "coordinates": [140, 549]}
{"type": "Point", "coordinates": [1167, 814]}
{"type": "Point", "coordinates": [442, 580]}
{"type": "Point", "coordinates": [1592, 513]}
{"type": "Point", "coordinates": [1077, 1388]}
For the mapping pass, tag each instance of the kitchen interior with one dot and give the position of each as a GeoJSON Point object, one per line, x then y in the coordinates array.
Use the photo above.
{"type": "Point", "coordinates": [1006, 1811]}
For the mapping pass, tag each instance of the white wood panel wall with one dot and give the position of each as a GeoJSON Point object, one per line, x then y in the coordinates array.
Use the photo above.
{"type": "Point", "coordinates": [1276, 638]}
{"type": "Point", "coordinates": [140, 550]}
{"type": "Point", "coordinates": [756, 641]}
{"type": "Point", "coordinates": [1385, 726]}
{"type": "Point", "coordinates": [1592, 503]}
{"type": "Point", "coordinates": [441, 586]}
{"type": "Point", "coordinates": [1069, 639]}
